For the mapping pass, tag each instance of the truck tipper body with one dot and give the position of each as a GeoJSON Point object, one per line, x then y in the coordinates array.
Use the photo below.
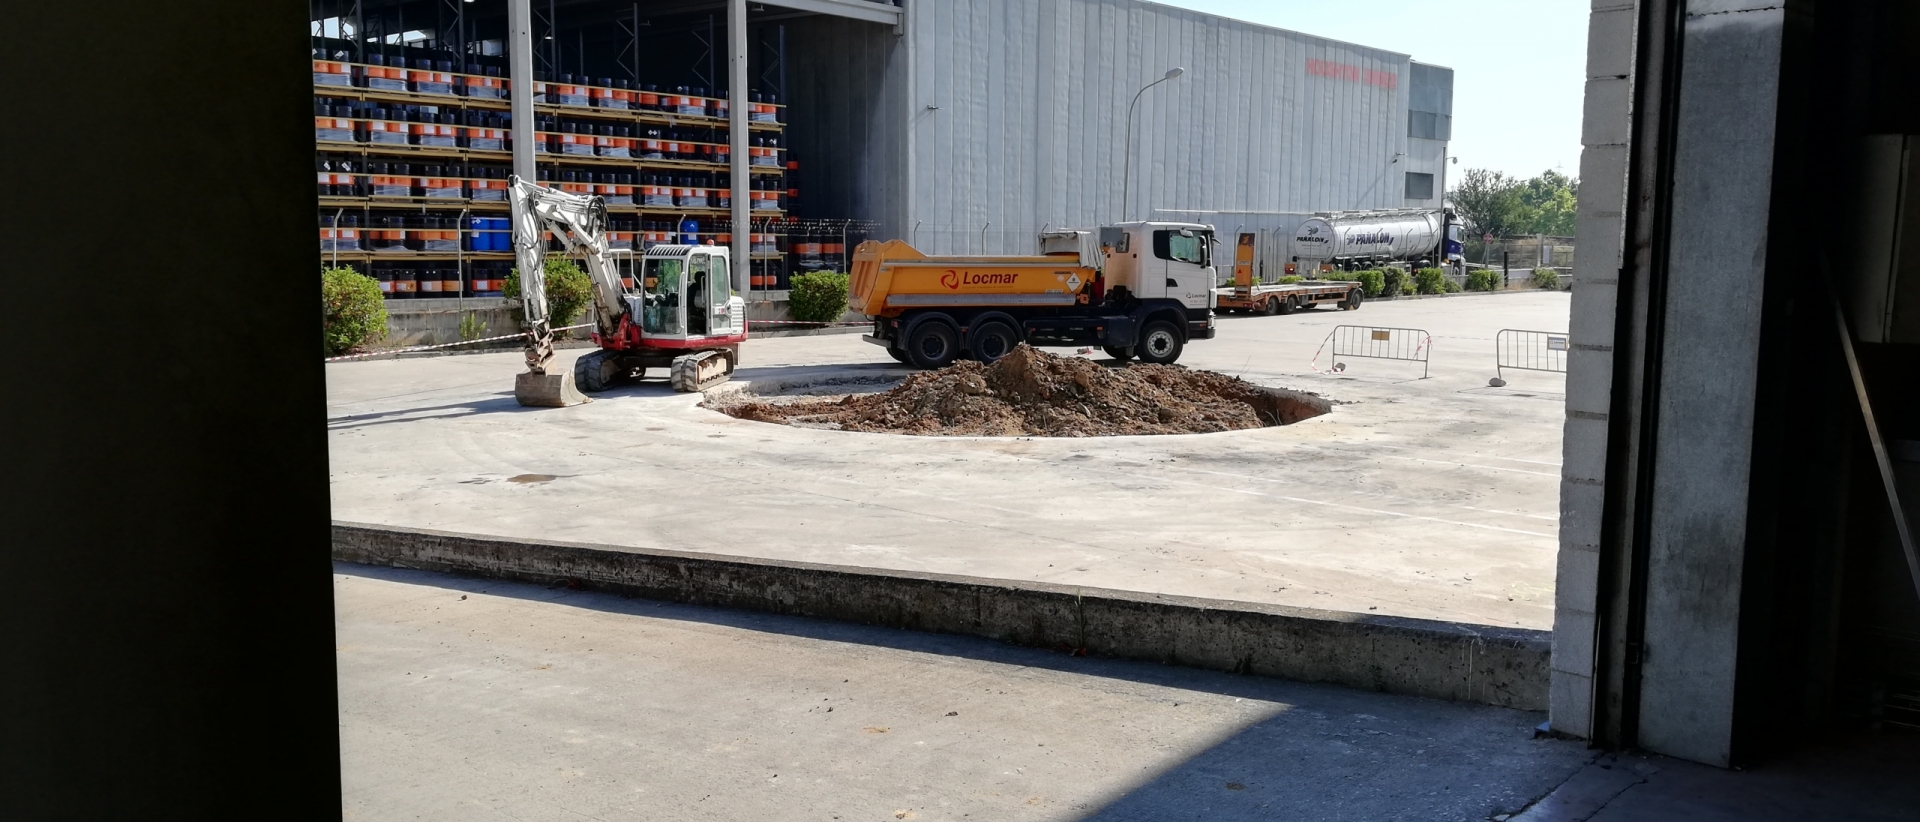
{"type": "Point", "coordinates": [1135, 289]}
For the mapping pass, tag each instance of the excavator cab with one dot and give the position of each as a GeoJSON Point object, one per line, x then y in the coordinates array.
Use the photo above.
{"type": "Point", "coordinates": [686, 294]}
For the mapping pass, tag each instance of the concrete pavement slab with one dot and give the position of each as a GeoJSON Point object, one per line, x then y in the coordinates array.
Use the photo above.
{"type": "Point", "coordinates": [1431, 498]}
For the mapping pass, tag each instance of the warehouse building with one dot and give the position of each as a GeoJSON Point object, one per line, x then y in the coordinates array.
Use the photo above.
{"type": "Point", "coordinates": [960, 125]}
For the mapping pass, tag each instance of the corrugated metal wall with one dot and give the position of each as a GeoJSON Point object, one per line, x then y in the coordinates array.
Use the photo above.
{"type": "Point", "coordinates": [1015, 113]}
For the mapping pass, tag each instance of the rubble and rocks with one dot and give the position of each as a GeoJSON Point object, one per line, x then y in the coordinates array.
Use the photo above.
{"type": "Point", "coordinates": [1032, 393]}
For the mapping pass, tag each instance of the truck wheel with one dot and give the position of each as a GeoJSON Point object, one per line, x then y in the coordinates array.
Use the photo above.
{"type": "Point", "coordinates": [1119, 352]}
{"type": "Point", "coordinates": [1272, 306]}
{"type": "Point", "coordinates": [1160, 343]}
{"type": "Point", "coordinates": [1353, 300]}
{"type": "Point", "coordinates": [991, 340]}
{"type": "Point", "coordinates": [933, 344]}
{"type": "Point", "coordinates": [597, 371]}
{"type": "Point", "coordinates": [1287, 305]}
{"type": "Point", "coordinates": [896, 354]}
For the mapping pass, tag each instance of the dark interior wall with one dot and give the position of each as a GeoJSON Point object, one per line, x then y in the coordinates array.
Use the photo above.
{"type": "Point", "coordinates": [1830, 617]}
{"type": "Point", "coordinates": [166, 545]}
{"type": "Point", "coordinates": [847, 81]}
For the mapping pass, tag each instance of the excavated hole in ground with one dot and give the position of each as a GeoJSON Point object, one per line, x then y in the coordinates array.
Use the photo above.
{"type": "Point", "coordinates": [1028, 393]}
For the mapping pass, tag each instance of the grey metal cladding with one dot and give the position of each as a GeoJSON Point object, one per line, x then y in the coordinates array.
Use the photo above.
{"type": "Point", "coordinates": [1009, 116]}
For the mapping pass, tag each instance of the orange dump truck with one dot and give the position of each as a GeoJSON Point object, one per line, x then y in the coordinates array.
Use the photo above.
{"type": "Point", "coordinates": [1134, 289]}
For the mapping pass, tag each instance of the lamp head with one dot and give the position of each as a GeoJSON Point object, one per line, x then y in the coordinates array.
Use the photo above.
{"type": "Point", "coordinates": [1176, 71]}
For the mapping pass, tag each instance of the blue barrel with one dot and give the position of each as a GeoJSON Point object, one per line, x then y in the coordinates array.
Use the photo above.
{"type": "Point", "coordinates": [690, 232]}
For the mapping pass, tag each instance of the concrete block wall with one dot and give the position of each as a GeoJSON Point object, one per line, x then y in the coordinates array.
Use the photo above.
{"type": "Point", "coordinates": [1601, 227]}
{"type": "Point", "coordinates": [433, 321]}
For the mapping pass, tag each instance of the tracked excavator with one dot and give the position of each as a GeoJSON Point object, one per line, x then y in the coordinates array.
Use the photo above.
{"type": "Point", "coordinates": [680, 314]}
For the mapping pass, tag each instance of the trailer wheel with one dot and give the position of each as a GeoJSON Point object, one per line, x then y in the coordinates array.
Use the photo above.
{"type": "Point", "coordinates": [1160, 343]}
{"type": "Point", "coordinates": [1287, 305]}
{"type": "Point", "coordinates": [1352, 303]}
{"type": "Point", "coordinates": [991, 340]}
{"type": "Point", "coordinates": [1271, 306]}
{"type": "Point", "coordinates": [933, 343]}
{"type": "Point", "coordinates": [1119, 352]}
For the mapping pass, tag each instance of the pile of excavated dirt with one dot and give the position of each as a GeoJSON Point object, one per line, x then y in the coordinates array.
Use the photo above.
{"type": "Point", "coordinates": [1031, 393]}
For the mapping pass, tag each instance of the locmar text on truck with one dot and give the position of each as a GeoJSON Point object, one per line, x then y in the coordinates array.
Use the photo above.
{"type": "Point", "coordinates": [1134, 289]}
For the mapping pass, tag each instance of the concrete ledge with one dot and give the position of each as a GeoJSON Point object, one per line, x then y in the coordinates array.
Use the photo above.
{"type": "Point", "coordinates": [1504, 667]}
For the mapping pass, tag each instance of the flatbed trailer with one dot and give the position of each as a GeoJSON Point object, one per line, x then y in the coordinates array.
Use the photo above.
{"type": "Point", "coordinates": [1286, 298]}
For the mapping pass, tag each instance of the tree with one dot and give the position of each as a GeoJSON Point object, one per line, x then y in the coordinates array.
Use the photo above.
{"type": "Point", "coordinates": [1492, 203]}
{"type": "Point", "coordinates": [1489, 203]}
{"type": "Point", "coordinates": [1549, 203]}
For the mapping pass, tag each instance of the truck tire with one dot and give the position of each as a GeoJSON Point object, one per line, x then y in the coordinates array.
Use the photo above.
{"type": "Point", "coordinates": [1352, 303]}
{"type": "Point", "coordinates": [991, 340]}
{"type": "Point", "coordinates": [933, 343]}
{"type": "Point", "coordinates": [896, 354]}
{"type": "Point", "coordinates": [598, 371]}
{"type": "Point", "coordinates": [1160, 343]}
{"type": "Point", "coordinates": [1272, 306]}
{"type": "Point", "coordinates": [1119, 352]}
{"type": "Point", "coordinates": [1287, 304]}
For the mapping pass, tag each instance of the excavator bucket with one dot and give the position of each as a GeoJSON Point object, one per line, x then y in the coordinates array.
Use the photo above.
{"type": "Point", "coordinates": [547, 390]}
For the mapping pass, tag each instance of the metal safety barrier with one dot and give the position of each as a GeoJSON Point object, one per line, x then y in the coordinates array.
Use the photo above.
{"type": "Point", "coordinates": [1523, 350]}
{"type": "Point", "coordinates": [1377, 343]}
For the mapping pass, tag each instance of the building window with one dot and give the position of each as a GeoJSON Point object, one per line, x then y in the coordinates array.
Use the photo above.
{"type": "Point", "coordinates": [1423, 124]}
{"type": "Point", "coordinates": [1419, 186]}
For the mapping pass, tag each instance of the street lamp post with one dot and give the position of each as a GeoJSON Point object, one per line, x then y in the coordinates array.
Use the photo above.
{"type": "Point", "coordinates": [1126, 176]}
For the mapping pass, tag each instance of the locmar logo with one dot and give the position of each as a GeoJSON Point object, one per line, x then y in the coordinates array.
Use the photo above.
{"type": "Point", "coordinates": [954, 279]}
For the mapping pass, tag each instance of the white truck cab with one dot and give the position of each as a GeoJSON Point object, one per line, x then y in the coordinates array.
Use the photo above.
{"type": "Point", "coordinates": [1153, 260]}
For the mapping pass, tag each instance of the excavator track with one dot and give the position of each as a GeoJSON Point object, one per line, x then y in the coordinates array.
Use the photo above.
{"type": "Point", "coordinates": [699, 372]}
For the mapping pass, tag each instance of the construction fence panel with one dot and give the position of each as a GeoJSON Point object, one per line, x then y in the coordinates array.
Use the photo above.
{"type": "Point", "coordinates": [1526, 350]}
{"type": "Point", "coordinates": [1379, 343]}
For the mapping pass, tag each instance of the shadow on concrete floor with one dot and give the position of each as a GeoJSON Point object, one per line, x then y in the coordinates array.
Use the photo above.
{"type": "Point", "coordinates": [1334, 753]}
{"type": "Point", "coordinates": [1859, 777]}
{"type": "Point", "coordinates": [1304, 751]}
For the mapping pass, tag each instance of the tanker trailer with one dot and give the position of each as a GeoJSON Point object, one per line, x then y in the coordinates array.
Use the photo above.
{"type": "Point", "coordinates": [1350, 240]}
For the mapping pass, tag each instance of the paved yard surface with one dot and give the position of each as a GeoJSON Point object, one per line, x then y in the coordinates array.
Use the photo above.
{"type": "Point", "coordinates": [479, 700]}
{"type": "Point", "coordinates": [1434, 498]}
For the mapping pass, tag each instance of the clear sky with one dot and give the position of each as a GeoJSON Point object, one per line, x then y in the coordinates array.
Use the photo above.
{"type": "Point", "coordinates": [1517, 65]}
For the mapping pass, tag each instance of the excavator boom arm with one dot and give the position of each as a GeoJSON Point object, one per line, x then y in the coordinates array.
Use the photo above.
{"type": "Point", "coordinates": [580, 223]}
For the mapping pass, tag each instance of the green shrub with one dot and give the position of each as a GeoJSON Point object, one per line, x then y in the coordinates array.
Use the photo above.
{"type": "Point", "coordinates": [355, 312]}
{"type": "Point", "coordinates": [471, 328]}
{"type": "Point", "coordinates": [1451, 286]}
{"type": "Point", "coordinates": [818, 296]}
{"type": "Point", "coordinates": [1291, 279]}
{"type": "Point", "coordinates": [1371, 282]}
{"type": "Point", "coordinates": [1394, 282]}
{"type": "Point", "coordinates": [1430, 281]}
{"type": "Point", "coordinates": [1483, 279]}
{"type": "Point", "coordinates": [568, 290]}
{"type": "Point", "coordinates": [1545, 278]}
